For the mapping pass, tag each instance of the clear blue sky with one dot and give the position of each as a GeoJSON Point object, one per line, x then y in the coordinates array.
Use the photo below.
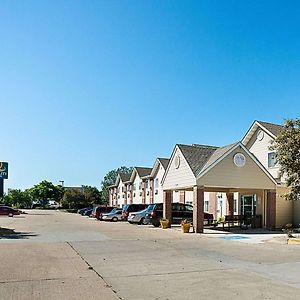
{"type": "Point", "coordinates": [87, 86]}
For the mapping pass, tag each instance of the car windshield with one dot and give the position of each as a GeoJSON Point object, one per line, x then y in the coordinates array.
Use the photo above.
{"type": "Point", "coordinates": [150, 207]}
{"type": "Point", "coordinates": [115, 210]}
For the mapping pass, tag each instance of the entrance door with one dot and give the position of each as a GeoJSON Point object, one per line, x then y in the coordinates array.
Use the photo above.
{"type": "Point", "coordinates": [248, 208]}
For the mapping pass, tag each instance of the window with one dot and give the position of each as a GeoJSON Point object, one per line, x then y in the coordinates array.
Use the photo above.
{"type": "Point", "coordinates": [235, 206]}
{"type": "Point", "coordinates": [140, 185]}
{"type": "Point", "coordinates": [133, 194]}
{"type": "Point", "coordinates": [271, 160]}
{"type": "Point", "coordinates": [156, 183]}
{"type": "Point", "coordinates": [133, 187]}
{"type": "Point", "coordinates": [206, 203]}
{"type": "Point", "coordinates": [147, 184]}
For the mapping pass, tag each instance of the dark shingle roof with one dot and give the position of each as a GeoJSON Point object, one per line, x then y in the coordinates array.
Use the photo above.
{"type": "Point", "coordinates": [273, 128]}
{"type": "Point", "coordinates": [143, 171]}
{"type": "Point", "coordinates": [164, 162]}
{"type": "Point", "coordinates": [196, 155]}
{"type": "Point", "coordinates": [201, 157]}
{"type": "Point", "coordinates": [216, 155]}
{"type": "Point", "coordinates": [125, 176]}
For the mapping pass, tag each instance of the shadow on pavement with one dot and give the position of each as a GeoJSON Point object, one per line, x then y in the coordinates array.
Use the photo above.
{"type": "Point", "coordinates": [11, 234]}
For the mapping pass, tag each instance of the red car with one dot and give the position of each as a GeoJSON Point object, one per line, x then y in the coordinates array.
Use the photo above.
{"type": "Point", "coordinates": [8, 211]}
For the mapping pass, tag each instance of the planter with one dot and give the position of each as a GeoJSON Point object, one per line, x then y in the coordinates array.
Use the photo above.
{"type": "Point", "coordinates": [164, 223]}
{"type": "Point", "coordinates": [186, 227]}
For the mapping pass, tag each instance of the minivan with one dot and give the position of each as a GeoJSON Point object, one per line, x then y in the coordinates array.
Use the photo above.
{"type": "Point", "coordinates": [98, 211]}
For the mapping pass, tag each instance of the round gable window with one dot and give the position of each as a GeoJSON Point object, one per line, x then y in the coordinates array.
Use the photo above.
{"type": "Point", "coordinates": [177, 161]}
{"type": "Point", "coordinates": [239, 159]}
{"type": "Point", "coordinates": [260, 135]}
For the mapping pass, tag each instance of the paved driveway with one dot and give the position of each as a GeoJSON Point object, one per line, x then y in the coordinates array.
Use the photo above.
{"type": "Point", "coordinates": [57, 255]}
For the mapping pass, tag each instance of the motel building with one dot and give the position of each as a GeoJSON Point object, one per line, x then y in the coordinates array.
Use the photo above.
{"type": "Point", "coordinates": [238, 179]}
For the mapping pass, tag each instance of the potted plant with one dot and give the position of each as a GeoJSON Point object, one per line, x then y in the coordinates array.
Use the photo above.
{"type": "Point", "coordinates": [164, 223]}
{"type": "Point", "coordinates": [185, 226]}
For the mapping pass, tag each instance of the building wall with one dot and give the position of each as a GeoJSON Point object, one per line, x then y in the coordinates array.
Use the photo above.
{"type": "Point", "coordinates": [261, 149]}
{"type": "Point", "coordinates": [179, 177]}
{"type": "Point", "coordinates": [226, 174]}
{"type": "Point", "coordinates": [284, 209]}
{"type": "Point", "coordinates": [158, 190]}
{"type": "Point", "coordinates": [120, 194]}
{"type": "Point", "coordinates": [137, 193]}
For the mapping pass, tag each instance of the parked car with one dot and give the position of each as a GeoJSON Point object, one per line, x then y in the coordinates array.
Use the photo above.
{"type": "Point", "coordinates": [53, 204]}
{"type": "Point", "coordinates": [139, 217]}
{"type": "Point", "coordinates": [8, 211]}
{"type": "Point", "coordinates": [180, 212]}
{"type": "Point", "coordinates": [82, 210]}
{"type": "Point", "coordinates": [98, 211]}
{"type": "Point", "coordinates": [87, 212]}
{"type": "Point", "coordinates": [114, 216]}
{"type": "Point", "coordinates": [128, 208]}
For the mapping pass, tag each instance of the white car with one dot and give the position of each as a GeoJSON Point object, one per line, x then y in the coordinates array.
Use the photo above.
{"type": "Point", "coordinates": [114, 216]}
{"type": "Point", "coordinates": [53, 204]}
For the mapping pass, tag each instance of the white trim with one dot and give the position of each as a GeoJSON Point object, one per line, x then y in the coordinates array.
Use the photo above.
{"type": "Point", "coordinates": [170, 162]}
{"type": "Point", "coordinates": [201, 174]}
{"type": "Point", "coordinates": [256, 123]}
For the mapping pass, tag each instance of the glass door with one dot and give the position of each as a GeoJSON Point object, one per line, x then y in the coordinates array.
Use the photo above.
{"type": "Point", "coordinates": [248, 207]}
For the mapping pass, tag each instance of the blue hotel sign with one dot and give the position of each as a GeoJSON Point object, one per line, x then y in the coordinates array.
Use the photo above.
{"type": "Point", "coordinates": [3, 170]}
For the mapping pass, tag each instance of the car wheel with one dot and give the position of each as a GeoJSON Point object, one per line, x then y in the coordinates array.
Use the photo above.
{"type": "Point", "coordinates": [129, 222]}
{"type": "Point", "coordinates": [156, 224]}
{"type": "Point", "coordinates": [114, 219]}
{"type": "Point", "coordinates": [10, 215]}
{"type": "Point", "coordinates": [144, 221]}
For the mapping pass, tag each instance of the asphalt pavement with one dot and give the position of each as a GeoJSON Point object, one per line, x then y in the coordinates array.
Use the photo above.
{"type": "Point", "coordinates": [56, 255]}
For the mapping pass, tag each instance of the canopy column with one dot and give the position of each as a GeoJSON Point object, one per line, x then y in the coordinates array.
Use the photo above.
{"type": "Point", "coordinates": [168, 199]}
{"type": "Point", "coordinates": [198, 208]}
{"type": "Point", "coordinates": [271, 210]}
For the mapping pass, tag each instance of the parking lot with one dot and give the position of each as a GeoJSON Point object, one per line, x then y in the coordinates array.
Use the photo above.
{"type": "Point", "coordinates": [56, 255]}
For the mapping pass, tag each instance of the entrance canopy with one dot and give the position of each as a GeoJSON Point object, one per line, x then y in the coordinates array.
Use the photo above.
{"type": "Point", "coordinates": [231, 167]}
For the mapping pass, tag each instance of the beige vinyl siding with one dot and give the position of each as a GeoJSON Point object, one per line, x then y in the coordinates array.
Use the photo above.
{"type": "Point", "coordinates": [284, 208]}
{"type": "Point", "coordinates": [122, 194]}
{"type": "Point", "coordinates": [137, 199]}
{"type": "Point", "coordinates": [261, 149]}
{"type": "Point", "coordinates": [227, 174]}
{"type": "Point", "coordinates": [181, 177]}
{"type": "Point", "coordinates": [158, 198]}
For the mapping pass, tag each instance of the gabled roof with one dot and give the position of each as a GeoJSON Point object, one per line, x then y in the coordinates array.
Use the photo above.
{"type": "Point", "coordinates": [196, 155]}
{"type": "Point", "coordinates": [141, 171]}
{"type": "Point", "coordinates": [125, 176]}
{"type": "Point", "coordinates": [270, 128]}
{"type": "Point", "coordinates": [217, 154]}
{"type": "Point", "coordinates": [273, 128]}
{"type": "Point", "coordinates": [223, 152]}
{"type": "Point", "coordinates": [159, 161]}
{"type": "Point", "coordinates": [164, 162]}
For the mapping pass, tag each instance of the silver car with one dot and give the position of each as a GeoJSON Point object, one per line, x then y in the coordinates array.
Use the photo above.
{"type": "Point", "coordinates": [114, 216]}
{"type": "Point", "coordinates": [139, 217]}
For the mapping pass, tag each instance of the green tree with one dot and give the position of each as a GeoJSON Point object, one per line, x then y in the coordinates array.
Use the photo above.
{"type": "Point", "coordinates": [110, 178]}
{"type": "Point", "coordinates": [45, 191]}
{"type": "Point", "coordinates": [287, 147]}
{"type": "Point", "coordinates": [18, 198]}
{"type": "Point", "coordinates": [81, 197]}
